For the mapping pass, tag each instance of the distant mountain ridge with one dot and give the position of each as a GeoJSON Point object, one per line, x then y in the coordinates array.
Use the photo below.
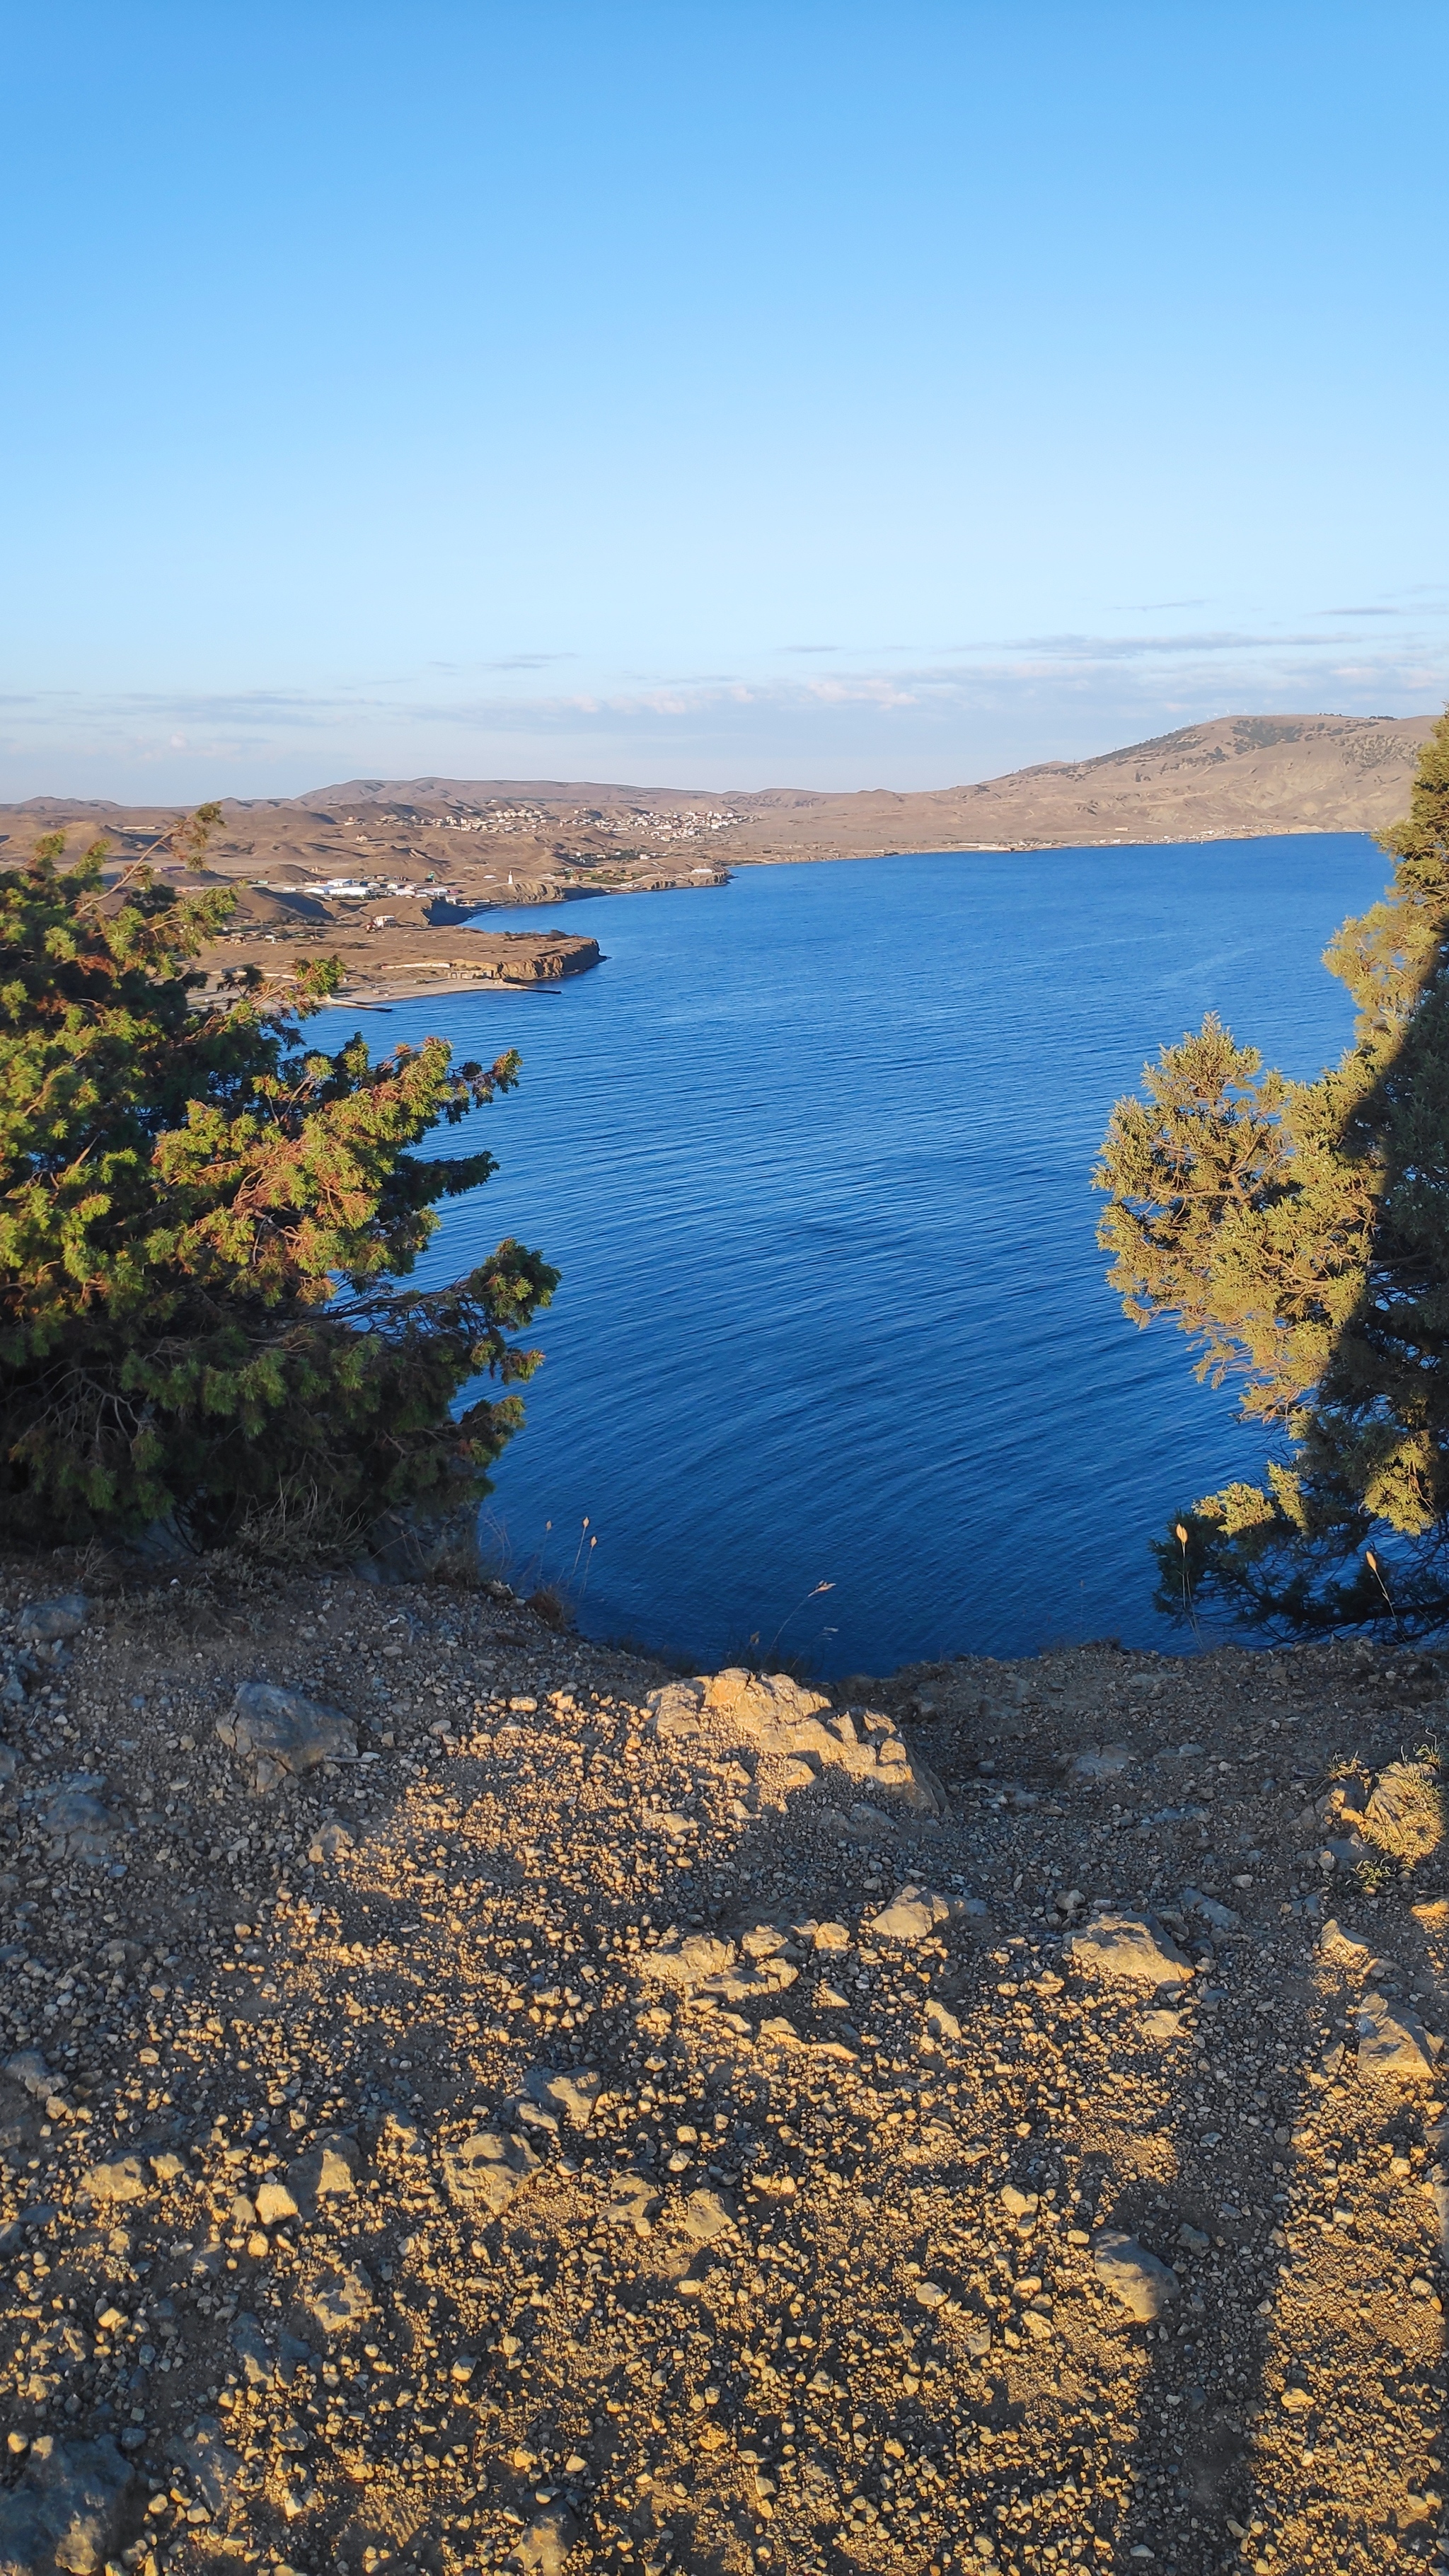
{"type": "Point", "coordinates": [1225, 780]}
{"type": "Point", "coordinates": [1229, 779]}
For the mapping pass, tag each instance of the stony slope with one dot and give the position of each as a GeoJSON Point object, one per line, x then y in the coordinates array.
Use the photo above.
{"type": "Point", "coordinates": [622, 2124]}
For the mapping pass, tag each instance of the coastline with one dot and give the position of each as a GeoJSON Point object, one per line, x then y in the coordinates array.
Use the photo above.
{"type": "Point", "coordinates": [1164, 840]}
{"type": "Point", "coordinates": [382, 996]}
{"type": "Point", "coordinates": [437, 849]}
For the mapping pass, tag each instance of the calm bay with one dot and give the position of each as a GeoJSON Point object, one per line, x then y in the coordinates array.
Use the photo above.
{"type": "Point", "coordinates": [812, 1152]}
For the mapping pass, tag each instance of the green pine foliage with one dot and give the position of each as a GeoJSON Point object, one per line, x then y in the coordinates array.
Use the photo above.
{"type": "Point", "coordinates": [202, 1223]}
{"type": "Point", "coordinates": [1298, 1233]}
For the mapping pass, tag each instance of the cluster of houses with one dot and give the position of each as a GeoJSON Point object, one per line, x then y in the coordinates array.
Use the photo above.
{"type": "Point", "coordinates": [685, 823]}
{"type": "Point", "coordinates": [671, 823]}
{"type": "Point", "coordinates": [363, 889]}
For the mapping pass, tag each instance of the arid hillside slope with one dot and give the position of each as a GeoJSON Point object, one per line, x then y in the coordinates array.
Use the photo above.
{"type": "Point", "coordinates": [511, 841]}
{"type": "Point", "coordinates": [1223, 781]}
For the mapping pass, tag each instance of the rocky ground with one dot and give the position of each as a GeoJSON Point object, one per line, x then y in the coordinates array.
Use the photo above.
{"type": "Point", "coordinates": [475, 2100]}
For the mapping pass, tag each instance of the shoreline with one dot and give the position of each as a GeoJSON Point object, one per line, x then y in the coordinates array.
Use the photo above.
{"type": "Point", "coordinates": [383, 996]}
{"type": "Point", "coordinates": [804, 857]}
{"type": "Point", "coordinates": [483, 920]}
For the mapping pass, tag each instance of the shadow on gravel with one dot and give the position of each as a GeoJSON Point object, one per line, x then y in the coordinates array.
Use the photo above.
{"type": "Point", "coordinates": [773, 2391]}
{"type": "Point", "coordinates": [1294, 2389]}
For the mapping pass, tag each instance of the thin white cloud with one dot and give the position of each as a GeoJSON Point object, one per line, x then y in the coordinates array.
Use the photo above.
{"type": "Point", "coordinates": [932, 719]}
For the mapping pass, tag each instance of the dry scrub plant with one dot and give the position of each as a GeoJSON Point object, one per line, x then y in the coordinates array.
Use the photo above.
{"type": "Point", "coordinates": [1405, 1815]}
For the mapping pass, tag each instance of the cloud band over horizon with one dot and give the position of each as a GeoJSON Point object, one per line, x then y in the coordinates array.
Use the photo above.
{"type": "Point", "coordinates": [936, 721]}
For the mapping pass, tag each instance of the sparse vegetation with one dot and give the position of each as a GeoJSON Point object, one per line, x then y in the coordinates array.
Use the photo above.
{"type": "Point", "coordinates": [1405, 1815]}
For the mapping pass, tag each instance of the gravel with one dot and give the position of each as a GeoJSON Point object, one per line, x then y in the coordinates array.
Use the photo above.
{"type": "Point", "coordinates": [564, 2032]}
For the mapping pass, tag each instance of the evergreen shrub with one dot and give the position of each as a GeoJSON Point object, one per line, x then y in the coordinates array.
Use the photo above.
{"type": "Point", "coordinates": [203, 1221]}
{"type": "Point", "coordinates": [1298, 1233]}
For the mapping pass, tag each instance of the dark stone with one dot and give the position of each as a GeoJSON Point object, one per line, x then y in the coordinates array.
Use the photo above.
{"type": "Point", "coordinates": [213, 2468]}
{"type": "Point", "coordinates": [67, 2510]}
{"type": "Point", "coordinates": [282, 1731]}
{"type": "Point", "coordinates": [62, 1617]}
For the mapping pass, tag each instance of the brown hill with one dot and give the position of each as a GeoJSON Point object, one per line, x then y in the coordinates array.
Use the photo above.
{"type": "Point", "coordinates": [1230, 779]}
{"type": "Point", "coordinates": [511, 841]}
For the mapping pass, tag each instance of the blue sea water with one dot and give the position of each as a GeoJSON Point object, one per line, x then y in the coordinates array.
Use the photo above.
{"type": "Point", "coordinates": [812, 1154]}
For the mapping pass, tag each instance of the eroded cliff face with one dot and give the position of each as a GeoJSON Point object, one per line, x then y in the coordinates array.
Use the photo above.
{"type": "Point", "coordinates": [541, 960]}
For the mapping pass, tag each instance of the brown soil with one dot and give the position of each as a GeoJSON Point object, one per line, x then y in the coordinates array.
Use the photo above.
{"type": "Point", "coordinates": [769, 2308]}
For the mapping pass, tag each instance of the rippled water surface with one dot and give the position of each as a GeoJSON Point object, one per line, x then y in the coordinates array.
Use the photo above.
{"type": "Point", "coordinates": [812, 1154]}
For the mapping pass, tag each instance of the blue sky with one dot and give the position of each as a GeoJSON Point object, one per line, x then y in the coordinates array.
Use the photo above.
{"type": "Point", "coordinates": [711, 395]}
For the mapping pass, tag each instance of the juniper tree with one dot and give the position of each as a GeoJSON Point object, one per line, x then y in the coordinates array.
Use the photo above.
{"type": "Point", "coordinates": [1298, 1233]}
{"type": "Point", "coordinates": [203, 1222]}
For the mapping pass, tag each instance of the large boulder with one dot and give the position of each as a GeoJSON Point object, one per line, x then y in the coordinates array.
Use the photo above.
{"type": "Point", "coordinates": [28, 2069]}
{"type": "Point", "coordinates": [1345, 1949]}
{"type": "Point", "coordinates": [280, 1731]}
{"type": "Point", "coordinates": [1139, 2281]}
{"type": "Point", "coordinates": [704, 2216]}
{"type": "Point", "coordinates": [1130, 1948]}
{"type": "Point", "coordinates": [688, 1961]}
{"type": "Point", "coordinates": [324, 2177]}
{"type": "Point", "coordinates": [911, 1916]}
{"type": "Point", "coordinates": [570, 2091]}
{"type": "Point", "coordinates": [79, 1823]}
{"type": "Point", "coordinates": [68, 2509]}
{"type": "Point", "coordinates": [1101, 1762]}
{"type": "Point", "coordinates": [253, 2351]}
{"type": "Point", "coordinates": [543, 2548]}
{"type": "Point", "coordinates": [48, 1621]}
{"type": "Point", "coordinates": [1393, 2045]}
{"type": "Point", "coordinates": [487, 2170]}
{"type": "Point", "coordinates": [632, 2198]}
{"type": "Point", "coordinates": [122, 2178]}
{"type": "Point", "coordinates": [215, 2470]}
{"type": "Point", "coordinates": [342, 2300]}
{"type": "Point", "coordinates": [770, 1714]}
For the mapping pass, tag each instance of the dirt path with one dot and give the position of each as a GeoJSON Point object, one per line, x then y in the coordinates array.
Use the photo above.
{"type": "Point", "coordinates": [611, 2124]}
